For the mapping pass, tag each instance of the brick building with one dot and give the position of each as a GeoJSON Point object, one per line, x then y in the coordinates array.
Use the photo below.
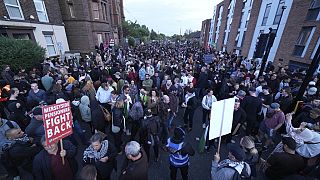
{"type": "Point", "coordinates": [91, 22]}
{"type": "Point", "coordinates": [217, 17]}
{"type": "Point", "coordinates": [302, 34]}
{"type": "Point", "coordinates": [33, 20]}
{"type": "Point", "coordinates": [237, 25]}
{"type": "Point", "coordinates": [205, 30]}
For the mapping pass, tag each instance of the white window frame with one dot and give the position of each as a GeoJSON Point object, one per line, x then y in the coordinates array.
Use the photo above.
{"type": "Point", "coordinates": [14, 6]}
{"type": "Point", "coordinates": [54, 47]}
{"type": "Point", "coordinates": [307, 43]}
{"type": "Point", "coordinates": [266, 14]}
{"type": "Point", "coordinates": [279, 12]}
{"type": "Point", "coordinates": [99, 38]}
{"type": "Point", "coordinates": [315, 49]}
{"type": "Point", "coordinates": [44, 10]}
{"type": "Point", "coordinates": [71, 10]}
{"type": "Point", "coordinates": [95, 10]}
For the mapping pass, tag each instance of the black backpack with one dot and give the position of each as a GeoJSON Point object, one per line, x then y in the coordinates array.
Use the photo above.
{"type": "Point", "coordinates": [245, 174]}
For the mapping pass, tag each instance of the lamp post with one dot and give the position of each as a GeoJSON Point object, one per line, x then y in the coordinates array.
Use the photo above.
{"type": "Point", "coordinates": [283, 8]}
{"type": "Point", "coordinates": [270, 41]}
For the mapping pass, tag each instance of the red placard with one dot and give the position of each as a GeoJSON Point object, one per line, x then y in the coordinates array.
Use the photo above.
{"type": "Point", "coordinates": [57, 121]}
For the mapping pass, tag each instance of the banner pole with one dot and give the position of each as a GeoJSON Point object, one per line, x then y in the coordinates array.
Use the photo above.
{"type": "Point", "coordinates": [224, 107]}
{"type": "Point", "coordinates": [62, 150]}
{"type": "Point", "coordinates": [296, 107]}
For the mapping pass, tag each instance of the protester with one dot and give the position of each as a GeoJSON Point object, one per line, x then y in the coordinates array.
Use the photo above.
{"type": "Point", "coordinates": [180, 152]}
{"type": "Point", "coordinates": [252, 106]}
{"type": "Point", "coordinates": [36, 95]}
{"type": "Point", "coordinates": [239, 117]}
{"type": "Point", "coordinates": [149, 134]}
{"type": "Point", "coordinates": [101, 153]}
{"type": "Point", "coordinates": [190, 104]}
{"type": "Point", "coordinates": [232, 167]}
{"type": "Point", "coordinates": [285, 163]}
{"type": "Point", "coordinates": [48, 163]}
{"type": "Point", "coordinates": [20, 153]}
{"type": "Point", "coordinates": [274, 120]}
{"type": "Point", "coordinates": [135, 166]}
{"type": "Point", "coordinates": [207, 101]}
{"type": "Point", "coordinates": [88, 172]}
{"type": "Point", "coordinates": [252, 154]}
{"type": "Point", "coordinates": [36, 129]}
{"type": "Point", "coordinates": [5, 125]}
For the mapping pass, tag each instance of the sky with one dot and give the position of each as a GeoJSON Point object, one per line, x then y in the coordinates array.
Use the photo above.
{"type": "Point", "coordinates": [169, 16]}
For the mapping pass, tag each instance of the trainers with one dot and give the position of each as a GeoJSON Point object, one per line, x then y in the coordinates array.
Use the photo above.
{"type": "Point", "coordinates": [204, 125]}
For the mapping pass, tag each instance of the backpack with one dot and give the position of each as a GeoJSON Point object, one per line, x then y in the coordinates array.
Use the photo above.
{"type": "Point", "coordinates": [136, 112]}
{"type": "Point", "coordinates": [245, 174]}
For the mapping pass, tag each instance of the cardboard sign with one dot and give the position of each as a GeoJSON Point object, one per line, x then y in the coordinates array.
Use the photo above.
{"type": "Point", "coordinates": [57, 121]}
{"type": "Point", "coordinates": [221, 118]}
{"type": "Point", "coordinates": [208, 58]}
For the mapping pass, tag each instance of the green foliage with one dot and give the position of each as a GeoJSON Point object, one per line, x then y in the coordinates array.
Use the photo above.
{"type": "Point", "coordinates": [20, 53]}
{"type": "Point", "coordinates": [153, 35]}
{"type": "Point", "coordinates": [135, 30]}
{"type": "Point", "coordinates": [131, 41]}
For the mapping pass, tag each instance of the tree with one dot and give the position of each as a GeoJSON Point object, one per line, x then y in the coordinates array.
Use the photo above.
{"type": "Point", "coordinates": [153, 35]}
{"type": "Point", "coordinates": [131, 41]}
{"type": "Point", "coordinates": [20, 53]}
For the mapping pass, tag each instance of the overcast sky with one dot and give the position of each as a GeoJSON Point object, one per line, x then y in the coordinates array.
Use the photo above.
{"type": "Point", "coordinates": [168, 16]}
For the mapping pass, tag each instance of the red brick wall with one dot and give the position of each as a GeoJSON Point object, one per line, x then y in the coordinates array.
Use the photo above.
{"type": "Point", "coordinates": [234, 26]}
{"type": "Point", "coordinates": [251, 27]}
{"type": "Point", "coordinates": [223, 25]}
{"type": "Point", "coordinates": [295, 22]}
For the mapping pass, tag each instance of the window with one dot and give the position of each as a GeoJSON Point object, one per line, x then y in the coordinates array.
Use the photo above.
{"type": "Point", "coordinates": [99, 37]}
{"type": "Point", "coordinates": [50, 45]}
{"type": "Point", "coordinates": [14, 9]}
{"type": "Point", "coordinates": [315, 49]}
{"type": "Point", "coordinates": [104, 11]}
{"type": "Point", "coordinates": [277, 18]}
{"type": "Point", "coordinates": [243, 38]}
{"type": "Point", "coordinates": [241, 19]}
{"type": "Point", "coordinates": [266, 14]}
{"type": "Point", "coordinates": [248, 18]}
{"type": "Point", "coordinates": [23, 36]}
{"type": "Point", "coordinates": [302, 41]}
{"type": "Point", "coordinates": [95, 10]}
{"type": "Point", "coordinates": [71, 10]}
{"type": "Point", "coordinates": [237, 39]}
{"type": "Point", "coordinates": [313, 12]}
{"type": "Point", "coordinates": [41, 10]}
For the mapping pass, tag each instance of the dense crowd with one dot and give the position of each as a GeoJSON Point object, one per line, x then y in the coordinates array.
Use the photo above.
{"type": "Point", "coordinates": [130, 101]}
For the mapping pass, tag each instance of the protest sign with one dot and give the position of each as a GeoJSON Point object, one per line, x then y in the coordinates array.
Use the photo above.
{"type": "Point", "coordinates": [221, 118]}
{"type": "Point", "coordinates": [57, 121]}
{"type": "Point", "coordinates": [208, 58]}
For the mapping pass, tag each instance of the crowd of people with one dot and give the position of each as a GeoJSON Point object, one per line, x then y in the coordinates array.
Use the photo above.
{"type": "Point", "coordinates": [131, 101]}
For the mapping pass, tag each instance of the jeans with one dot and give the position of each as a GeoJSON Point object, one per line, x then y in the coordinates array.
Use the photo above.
{"type": "Point", "coordinates": [205, 114]}
{"type": "Point", "coordinates": [164, 133]}
{"type": "Point", "coordinates": [136, 124]}
{"type": "Point", "coordinates": [118, 140]}
{"type": "Point", "coordinates": [183, 170]}
{"type": "Point", "coordinates": [188, 117]}
{"type": "Point", "coordinates": [155, 146]}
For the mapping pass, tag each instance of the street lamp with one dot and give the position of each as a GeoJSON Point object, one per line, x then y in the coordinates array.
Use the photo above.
{"type": "Point", "coordinates": [283, 8]}
{"type": "Point", "coordinates": [270, 43]}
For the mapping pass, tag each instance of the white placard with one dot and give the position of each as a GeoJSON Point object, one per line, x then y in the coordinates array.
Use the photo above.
{"type": "Point", "coordinates": [221, 118]}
